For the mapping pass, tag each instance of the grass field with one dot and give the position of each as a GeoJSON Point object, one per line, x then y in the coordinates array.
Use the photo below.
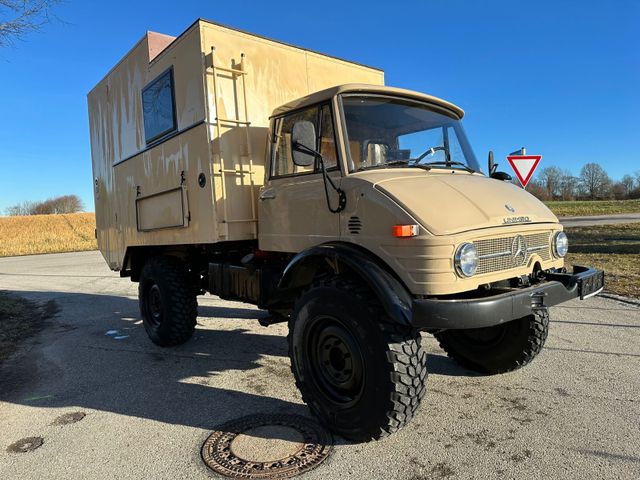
{"type": "Point", "coordinates": [599, 207]}
{"type": "Point", "coordinates": [47, 234]}
{"type": "Point", "coordinates": [613, 248]}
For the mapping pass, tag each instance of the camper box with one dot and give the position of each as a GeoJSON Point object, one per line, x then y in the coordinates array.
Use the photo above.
{"type": "Point", "coordinates": [179, 131]}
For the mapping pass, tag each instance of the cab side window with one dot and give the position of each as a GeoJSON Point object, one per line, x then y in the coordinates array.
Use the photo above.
{"type": "Point", "coordinates": [282, 160]}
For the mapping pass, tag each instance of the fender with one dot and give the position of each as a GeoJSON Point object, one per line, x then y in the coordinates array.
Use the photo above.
{"type": "Point", "coordinates": [302, 268]}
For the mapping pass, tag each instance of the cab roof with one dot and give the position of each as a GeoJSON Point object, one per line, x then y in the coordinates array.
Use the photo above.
{"type": "Point", "coordinates": [324, 95]}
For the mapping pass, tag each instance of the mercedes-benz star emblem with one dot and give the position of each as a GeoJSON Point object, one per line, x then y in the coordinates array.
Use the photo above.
{"type": "Point", "coordinates": [519, 250]}
{"type": "Point", "coordinates": [509, 207]}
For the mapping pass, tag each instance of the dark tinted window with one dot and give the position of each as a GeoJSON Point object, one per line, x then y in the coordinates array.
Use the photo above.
{"type": "Point", "coordinates": [158, 107]}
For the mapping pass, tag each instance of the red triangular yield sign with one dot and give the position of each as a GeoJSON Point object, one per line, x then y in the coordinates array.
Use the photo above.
{"type": "Point", "coordinates": [524, 166]}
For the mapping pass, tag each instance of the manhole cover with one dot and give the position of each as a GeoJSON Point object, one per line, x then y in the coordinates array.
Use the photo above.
{"type": "Point", "coordinates": [68, 418]}
{"type": "Point", "coordinates": [267, 446]}
{"type": "Point", "coordinates": [25, 445]}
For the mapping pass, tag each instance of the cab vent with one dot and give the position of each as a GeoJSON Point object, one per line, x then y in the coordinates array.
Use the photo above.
{"type": "Point", "coordinates": [355, 225]}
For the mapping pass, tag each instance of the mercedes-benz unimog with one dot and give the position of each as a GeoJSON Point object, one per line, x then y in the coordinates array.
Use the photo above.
{"type": "Point", "coordinates": [257, 171]}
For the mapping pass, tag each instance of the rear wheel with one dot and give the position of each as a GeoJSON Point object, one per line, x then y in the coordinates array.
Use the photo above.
{"type": "Point", "coordinates": [361, 373]}
{"type": "Point", "coordinates": [168, 302]}
{"type": "Point", "coordinates": [498, 349]}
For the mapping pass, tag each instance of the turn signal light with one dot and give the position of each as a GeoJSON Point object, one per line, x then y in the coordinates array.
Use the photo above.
{"type": "Point", "coordinates": [401, 231]}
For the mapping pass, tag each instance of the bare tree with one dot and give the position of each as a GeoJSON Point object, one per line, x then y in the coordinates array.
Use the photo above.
{"type": "Point", "coordinates": [51, 206]}
{"type": "Point", "coordinates": [568, 185]}
{"type": "Point", "coordinates": [538, 190]}
{"type": "Point", "coordinates": [20, 17]}
{"type": "Point", "coordinates": [23, 208]}
{"type": "Point", "coordinates": [550, 178]}
{"type": "Point", "coordinates": [68, 204]}
{"type": "Point", "coordinates": [595, 181]}
{"type": "Point", "coordinates": [627, 182]}
{"type": "Point", "coordinates": [619, 191]}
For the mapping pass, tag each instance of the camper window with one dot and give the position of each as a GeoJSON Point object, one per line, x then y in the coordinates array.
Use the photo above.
{"type": "Point", "coordinates": [158, 107]}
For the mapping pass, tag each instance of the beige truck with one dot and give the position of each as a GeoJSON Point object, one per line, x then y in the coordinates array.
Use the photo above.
{"type": "Point", "coordinates": [229, 163]}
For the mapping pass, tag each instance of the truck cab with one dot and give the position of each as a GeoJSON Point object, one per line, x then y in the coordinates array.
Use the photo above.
{"type": "Point", "coordinates": [412, 192]}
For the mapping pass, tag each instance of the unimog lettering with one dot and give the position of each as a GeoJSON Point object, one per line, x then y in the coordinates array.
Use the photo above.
{"type": "Point", "coordinates": [511, 220]}
{"type": "Point", "coordinates": [231, 164]}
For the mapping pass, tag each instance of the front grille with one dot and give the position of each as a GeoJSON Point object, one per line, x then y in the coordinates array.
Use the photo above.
{"type": "Point", "coordinates": [496, 254]}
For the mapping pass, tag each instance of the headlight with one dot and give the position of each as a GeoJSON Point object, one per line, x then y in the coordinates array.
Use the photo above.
{"type": "Point", "coordinates": [560, 244]}
{"type": "Point", "coordinates": [466, 259]}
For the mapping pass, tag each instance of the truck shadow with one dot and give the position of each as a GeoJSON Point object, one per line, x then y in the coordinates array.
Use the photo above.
{"type": "Point", "coordinates": [95, 355]}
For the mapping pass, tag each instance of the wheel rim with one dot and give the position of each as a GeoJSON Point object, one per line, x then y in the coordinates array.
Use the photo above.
{"type": "Point", "coordinates": [154, 305]}
{"type": "Point", "coordinates": [336, 361]}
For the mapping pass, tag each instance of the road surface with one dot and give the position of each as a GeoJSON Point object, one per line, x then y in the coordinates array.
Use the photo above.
{"type": "Point", "coordinates": [573, 413]}
{"type": "Point", "coordinates": [600, 220]}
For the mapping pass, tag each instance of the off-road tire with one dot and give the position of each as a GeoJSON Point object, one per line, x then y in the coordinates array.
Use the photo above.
{"type": "Point", "coordinates": [515, 344]}
{"type": "Point", "coordinates": [173, 320]}
{"type": "Point", "coordinates": [394, 371]}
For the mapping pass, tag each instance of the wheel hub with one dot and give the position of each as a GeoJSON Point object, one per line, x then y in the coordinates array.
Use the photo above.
{"type": "Point", "coordinates": [336, 358]}
{"type": "Point", "coordinates": [155, 303]}
{"type": "Point", "coordinates": [337, 363]}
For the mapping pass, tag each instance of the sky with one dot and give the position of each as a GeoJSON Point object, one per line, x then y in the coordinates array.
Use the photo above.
{"type": "Point", "coordinates": [559, 78]}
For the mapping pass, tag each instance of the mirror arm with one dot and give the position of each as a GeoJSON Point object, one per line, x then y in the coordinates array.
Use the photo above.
{"type": "Point", "coordinates": [342, 198]}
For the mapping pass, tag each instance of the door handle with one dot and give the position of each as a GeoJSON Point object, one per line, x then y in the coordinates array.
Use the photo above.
{"type": "Point", "coordinates": [268, 195]}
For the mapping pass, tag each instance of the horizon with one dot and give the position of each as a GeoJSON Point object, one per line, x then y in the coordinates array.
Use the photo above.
{"type": "Point", "coordinates": [543, 95]}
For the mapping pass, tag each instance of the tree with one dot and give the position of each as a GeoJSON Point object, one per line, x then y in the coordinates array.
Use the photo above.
{"type": "Point", "coordinates": [568, 185]}
{"type": "Point", "coordinates": [18, 209]}
{"type": "Point", "coordinates": [550, 178]}
{"type": "Point", "coordinates": [594, 181]}
{"type": "Point", "coordinates": [536, 189]}
{"type": "Point", "coordinates": [619, 191]}
{"type": "Point", "coordinates": [627, 182]}
{"type": "Point", "coordinates": [20, 17]}
{"type": "Point", "coordinates": [56, 205]}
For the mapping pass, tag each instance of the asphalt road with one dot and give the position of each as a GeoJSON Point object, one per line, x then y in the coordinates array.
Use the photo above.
{"type": "Point", "coordinates": [573, 413]}
{"type": "Point", "coordinates": [600, 220]}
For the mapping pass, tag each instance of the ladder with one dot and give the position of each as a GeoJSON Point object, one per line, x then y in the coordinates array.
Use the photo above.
{"type": "Point", "coordinates": [245, 167]}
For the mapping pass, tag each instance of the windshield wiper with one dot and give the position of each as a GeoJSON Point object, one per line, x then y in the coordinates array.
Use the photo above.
{"type": "Point", "coordinates": [448, 164]}
{"type": "Point", "coordinates": [392, 163]}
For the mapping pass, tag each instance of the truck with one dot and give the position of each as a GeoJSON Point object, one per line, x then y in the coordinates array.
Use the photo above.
{"type": "Point", "coordinates": [232, 164]}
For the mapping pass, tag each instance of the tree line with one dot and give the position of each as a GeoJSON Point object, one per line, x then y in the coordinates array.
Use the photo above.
{"type": "Point", "coordinates": [593, 183]}
{"type": "Point", "coordinates": [55, 205]}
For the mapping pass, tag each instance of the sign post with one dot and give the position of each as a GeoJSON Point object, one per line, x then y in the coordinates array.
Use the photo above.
{"type": "Point", "coordinates": [524, 166]}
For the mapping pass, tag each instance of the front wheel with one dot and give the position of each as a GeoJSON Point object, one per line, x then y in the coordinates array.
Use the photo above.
{"type": "Point", "coordinates": [498, 349]}
{"type": "Point", "coordinates": [359, 372]}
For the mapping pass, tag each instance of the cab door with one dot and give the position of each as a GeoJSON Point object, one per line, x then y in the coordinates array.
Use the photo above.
{"type": "Point", "coordinates": [293, 211]}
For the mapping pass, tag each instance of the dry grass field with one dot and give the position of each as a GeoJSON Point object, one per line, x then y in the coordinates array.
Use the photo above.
{"type": "Point", "coordinates": [613, 248]}
{"type": "Point", "coordinates": [596, 207]}
{"type": "Point", "coordinates": [47, 234]}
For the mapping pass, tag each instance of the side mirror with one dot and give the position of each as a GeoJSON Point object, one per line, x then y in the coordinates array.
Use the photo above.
{"type": "Point", "coordinates": [501, 176]}
{"type": "Point", "coordinates": [493, 167]}
{"type": "Point", "coordinates": [303, 143]}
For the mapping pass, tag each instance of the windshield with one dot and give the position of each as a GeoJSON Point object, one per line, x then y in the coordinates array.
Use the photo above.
{"type": "Point", "coordinates": [390, 131]}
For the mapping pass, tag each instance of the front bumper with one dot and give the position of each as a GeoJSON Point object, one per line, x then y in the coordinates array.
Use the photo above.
{"type": "Point", "coordinates": [582, 283]}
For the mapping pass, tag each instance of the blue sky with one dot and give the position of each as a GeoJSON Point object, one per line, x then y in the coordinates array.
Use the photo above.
{"type": "Point", "coordinates": [561, 78]}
